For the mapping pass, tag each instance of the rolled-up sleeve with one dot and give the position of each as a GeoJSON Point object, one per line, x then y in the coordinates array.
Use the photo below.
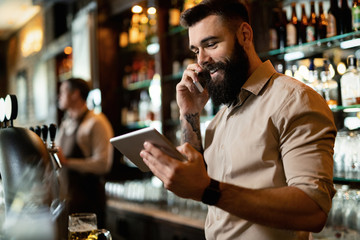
{"type": "Point", "coordinates": [307, 136]}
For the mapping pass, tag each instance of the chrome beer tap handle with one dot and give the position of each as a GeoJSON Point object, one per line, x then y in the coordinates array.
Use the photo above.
{"type": "Point", "coordinates": [44, 133]}
{"type": "Point", "coordinates": [53, 149]}
{"type": "Point", "coordinates": [38, 131]}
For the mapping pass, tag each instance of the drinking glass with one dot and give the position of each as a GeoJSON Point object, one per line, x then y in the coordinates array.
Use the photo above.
{"type": "Point", "coordinates": [99, 234]}
{"type": "Point", "coordinates": [81, 225]}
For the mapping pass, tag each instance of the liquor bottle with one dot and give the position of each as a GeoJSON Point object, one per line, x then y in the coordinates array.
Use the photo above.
{"type": "Point", "coordinates": [311, 29]}
{"type": "Point", "coordinates": [288, 71]}
{"type": "Point", "coordinates": [313, 80]}
{"type": "Point", "coordinates": [322, 23]}
{"type": "Point", "coordinates": [302, 38]}
{"type": "Point", "coordinates": [273, 29]}
{"type": "Point", "coordinates": [345, 17]}
{"type": "Point", "coordinates": [329, 86]}
{"type": "Point", "coordinates": [356, 15]}
{"type": "Point", "coordinates": [350, 83]}
{"type": "Point", "coordinates": [333, 28]}
{"type": "Point", "coordinates": [144, 105]}
{"type": "Point", "coordinates": [189, 4]}
{"type": "Point", "coordinates": [292, 27]}
{"type": "Point", "coordinates": [174, 13]}
{"type": "Point", "coordinates": [282, 34]}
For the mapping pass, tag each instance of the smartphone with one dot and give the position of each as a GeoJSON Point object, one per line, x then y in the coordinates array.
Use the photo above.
{"type": "Point", "coordinates": [202, 80]}
{"type": "Point", "coordinates": [198, 86]}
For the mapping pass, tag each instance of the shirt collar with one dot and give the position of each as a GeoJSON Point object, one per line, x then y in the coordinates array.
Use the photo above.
{"type": "Point", "coordinates": [256, 82]}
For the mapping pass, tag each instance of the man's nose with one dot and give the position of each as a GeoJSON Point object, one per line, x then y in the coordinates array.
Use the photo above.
{"type": "Point", "coordinates": [203, 58]}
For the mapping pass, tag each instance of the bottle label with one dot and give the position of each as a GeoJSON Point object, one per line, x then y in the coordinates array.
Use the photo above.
{"type": "Point", "coordinates": [310, 33]}
{"type": "Point", "coordinates": [291, 34]}
{"type": "Point", "coordinates": [356, 18]}
{"type": "Point", "coordinates": [331, 27]}
{"type": "Point", "coordinates": [273, 43]}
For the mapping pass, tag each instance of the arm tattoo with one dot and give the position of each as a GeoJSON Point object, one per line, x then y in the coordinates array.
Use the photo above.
{"type": "Point", "coordinates": [193, 135]}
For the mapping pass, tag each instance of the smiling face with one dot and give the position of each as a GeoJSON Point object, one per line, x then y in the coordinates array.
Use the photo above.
{"type": "Point", "coordinates": [211, 42]}
{"type": "Point", "coordinates": [218, 52]}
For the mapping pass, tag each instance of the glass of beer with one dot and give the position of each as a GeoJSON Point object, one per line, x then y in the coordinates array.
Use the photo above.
{"type": "Point", "coordinates": [100, 234]}
{"type": "Point", "coordinates": [81, 225]}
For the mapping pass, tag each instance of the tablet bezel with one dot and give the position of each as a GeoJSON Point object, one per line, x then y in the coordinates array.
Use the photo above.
{"type": "Point", "coordinates": [131, 144]}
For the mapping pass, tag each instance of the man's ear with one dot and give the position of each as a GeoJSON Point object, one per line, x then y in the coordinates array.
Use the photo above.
{"type": "Point", "coordinates": [244, 34]}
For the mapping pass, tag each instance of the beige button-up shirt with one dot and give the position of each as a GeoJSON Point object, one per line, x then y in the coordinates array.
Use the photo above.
{"type": "Point", "coordinates": [93, 137]}
{"type": "Point", "coordinates": [281, 133]}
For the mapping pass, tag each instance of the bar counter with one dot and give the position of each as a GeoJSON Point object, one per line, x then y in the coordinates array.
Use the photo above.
{"type": "Point", "coordinates": [156, 212]}
{"type": "Point", "coordinates": [135, 220]}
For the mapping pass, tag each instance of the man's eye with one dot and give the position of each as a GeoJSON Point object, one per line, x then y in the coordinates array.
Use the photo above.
{"type": "Point", "coordinates": [211, 44]}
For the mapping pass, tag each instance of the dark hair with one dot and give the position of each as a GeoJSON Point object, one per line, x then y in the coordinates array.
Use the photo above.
{"type": "Point", "coordinates": [79, 84]}
{"type": "Point", "coordinates": [231, 11]}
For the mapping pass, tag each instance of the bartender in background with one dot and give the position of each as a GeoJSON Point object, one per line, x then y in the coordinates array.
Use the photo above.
{"type": "Point", "coordinates": [84, 150]}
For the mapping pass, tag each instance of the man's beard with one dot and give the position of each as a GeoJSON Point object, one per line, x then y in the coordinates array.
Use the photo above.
{"type": "Point", "coordinates": [235, 69]}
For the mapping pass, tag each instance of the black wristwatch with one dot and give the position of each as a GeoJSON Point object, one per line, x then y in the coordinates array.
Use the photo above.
{"type": "Point", "coordinates": [212, 193]}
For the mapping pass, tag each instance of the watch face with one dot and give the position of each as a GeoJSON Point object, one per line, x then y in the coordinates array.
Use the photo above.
{"type": "Point", "coordinates": [212, 193]}
{"type": "Point", "coordinates": [2, 110]}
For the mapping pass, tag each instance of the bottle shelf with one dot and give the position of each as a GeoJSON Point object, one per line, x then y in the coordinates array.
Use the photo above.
{"type": "Point", "coordinates": [138, 85]}
{"type": "Point", "coordinates": [314, 47]}
{"type": "Point", "coordinates": [345, 180]}
{"type": "Point", "coordinates": [176, 30]}
{"type": "Point", "coordinates": [138, 125]}
{"type": "Point", "coordinates": [144, 124]}
{"type": "Point", "coordinates": [352, 107]}
{"type": "Point", "coordinates": [173, 77]}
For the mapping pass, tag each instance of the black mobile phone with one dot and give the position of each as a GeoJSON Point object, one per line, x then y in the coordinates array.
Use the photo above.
{"type": "Point", "coordinates": [203, 77]}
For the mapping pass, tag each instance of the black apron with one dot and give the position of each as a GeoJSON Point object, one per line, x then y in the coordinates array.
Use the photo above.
{"type": "Point", "coordinates": [86, 191]}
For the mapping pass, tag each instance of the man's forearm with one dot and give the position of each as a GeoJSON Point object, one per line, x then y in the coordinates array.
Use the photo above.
{"type": "Point", "coordinates": [284, 208]}
{"type": "Point", "coordinates": [190, 130]}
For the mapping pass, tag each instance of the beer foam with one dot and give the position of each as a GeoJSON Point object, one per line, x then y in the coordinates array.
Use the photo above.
{"type": "Point", "coordinates": [81, 226]}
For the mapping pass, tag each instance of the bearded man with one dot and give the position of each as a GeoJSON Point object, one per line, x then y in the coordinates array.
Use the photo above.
{"type": "Point", "coordinates": [266, 167]}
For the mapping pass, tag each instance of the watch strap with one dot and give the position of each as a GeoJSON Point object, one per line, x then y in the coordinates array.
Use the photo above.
{"type": "Point", "coordinates": [211, 193]}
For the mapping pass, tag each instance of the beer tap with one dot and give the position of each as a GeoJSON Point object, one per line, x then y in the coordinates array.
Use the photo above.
{"type": "Point", "coordinates": [44, 133]}
{"type": "Point", "coordinates": [53, 149]}
{"type": "Point", "coordinates": [38, 131]}
{"type": "Point", "coordinates": [27, 179]}
{"type": "Point", "coordinates": [2, 113]}
{"type": "Point", "coordinates": [52, 130]}
{"type": "Point", "coordinates": [11, 109]}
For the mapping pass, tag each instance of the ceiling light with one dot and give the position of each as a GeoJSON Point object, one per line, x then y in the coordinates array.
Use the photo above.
{"type": "Point", "coordinates": [341, 68]}
{"type": "Point", "coordinates": [136, 9]}
{"type": "Point", "coordinates": [153, 48]}
{"type": "Point", "coordinates": [151, 11]}
{"type": "Point", "coordinates": [293, 56]}
{"type": "Point", "coordinates": [350, 110]}
{"type": "Point", "coordinates": [68, 50]}
{"type": "Point", "coordinates": [350, 43]}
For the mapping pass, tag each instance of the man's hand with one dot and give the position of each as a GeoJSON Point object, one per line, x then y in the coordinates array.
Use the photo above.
{"type": "Point", "coordinates": [188, 97]}
{"type": "Point", "coordinates": [187, 179]}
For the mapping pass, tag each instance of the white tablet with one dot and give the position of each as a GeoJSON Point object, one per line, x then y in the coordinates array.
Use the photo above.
{"type": "Point", "coordinates": [132, 143]}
